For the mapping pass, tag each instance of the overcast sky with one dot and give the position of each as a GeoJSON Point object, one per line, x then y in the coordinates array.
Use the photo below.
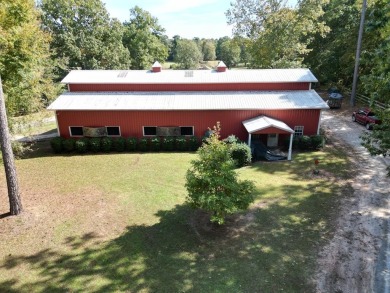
{"type": "Point", "coordinates": [186, 18]}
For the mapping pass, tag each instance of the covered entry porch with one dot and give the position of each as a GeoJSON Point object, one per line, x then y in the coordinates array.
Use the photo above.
{"type": "Point", "coordinates": [263, 125]}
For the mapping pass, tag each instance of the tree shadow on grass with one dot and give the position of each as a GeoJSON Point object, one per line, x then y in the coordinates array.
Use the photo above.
{"type": "Point", "coordinates": [267, 249]}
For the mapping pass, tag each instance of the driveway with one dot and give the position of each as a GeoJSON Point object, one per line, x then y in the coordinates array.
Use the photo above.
{"type": "Point", "coordinates": [355, 259]}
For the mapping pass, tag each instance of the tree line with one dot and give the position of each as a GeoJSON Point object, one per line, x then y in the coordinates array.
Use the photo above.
{"type": "Point", "coordinates": [41, 41]}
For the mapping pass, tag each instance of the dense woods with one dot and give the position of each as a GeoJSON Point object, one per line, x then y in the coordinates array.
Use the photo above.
{"type": "Point", "coordinates": [40, 43]}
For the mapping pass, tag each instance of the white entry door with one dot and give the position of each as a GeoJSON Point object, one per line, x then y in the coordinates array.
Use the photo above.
{"type": "Point", "coordinates": [272, 140]}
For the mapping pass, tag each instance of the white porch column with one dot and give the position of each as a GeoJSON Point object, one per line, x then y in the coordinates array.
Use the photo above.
{"type": "Point", "coordinates": [290, 147]}
{"type": "Point", "coordinates": [249, 139]}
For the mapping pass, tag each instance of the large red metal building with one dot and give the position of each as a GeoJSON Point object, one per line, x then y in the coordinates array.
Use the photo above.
{"type": "Point", "coordinates": [269, 103]}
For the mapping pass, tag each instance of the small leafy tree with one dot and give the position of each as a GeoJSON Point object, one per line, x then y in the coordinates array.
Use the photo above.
{"type": "Point", "coordinates": [212, 183]}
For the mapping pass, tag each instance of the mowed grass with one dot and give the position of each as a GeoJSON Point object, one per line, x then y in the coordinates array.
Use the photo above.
{"type": "Point", "coordinates": [119, 223]}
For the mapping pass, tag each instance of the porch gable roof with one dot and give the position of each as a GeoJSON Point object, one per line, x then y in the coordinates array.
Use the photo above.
{"type": "Point", "coordinates": [263, 122]}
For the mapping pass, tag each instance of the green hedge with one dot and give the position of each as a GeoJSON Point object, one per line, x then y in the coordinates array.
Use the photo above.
{"type": "Point", "coordinates": [181, 143]}
{"type": "Point", "coordinates": [68, 145]}
{"type": "Point", "coordinates": [155, 144]}
{"type": "Point", "coordinates": [106, 144]}
{"type": "Point", "coordinates": [120, 144]}
{"type": "Point", "coordinates": [193, 143]}
{"type": "Point", "coordinates": [56, 144]}
{"type": "Point", "coordinates": [168, 143]}
{"type": "Point", "coordinates": [305, 143]}
{"type": "Point", "coordinates": [94, 144]}
{"type": "Point", "coordinates": [143, 145]}
{"type": "Point", "coordinates": [81, 145]}
{"type": "Point", "coordinates": [131, 144]}
{"type": "Point", "coordinates": [317, 142]}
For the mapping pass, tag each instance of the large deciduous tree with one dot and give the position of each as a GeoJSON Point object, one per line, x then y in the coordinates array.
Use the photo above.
{"type": "Point", "coordinates": [187, 54]}
{"type": "Point", "coordinates": [8, 160]}
{"type": "Point", "coordinates": [332, 58]}
{"type": "Point", "coordinates": [145, 39]}
{"type": "Point", "coordinates": [212, 182]}
{"type": "Point", "coordinates": [208, 50]}
{"type": "Point", "coordinates": [375, 79]}
{"type": "Point", "coordinates": [230, 53]}
{"type": "Point", "coordinates": [83, 35]}
{"type": "Point", "coordinates": [279, 35]}
{"type": "Point", "coordinates": [376, 83]}
{"type": "Point", "coordinates": [24, 58]}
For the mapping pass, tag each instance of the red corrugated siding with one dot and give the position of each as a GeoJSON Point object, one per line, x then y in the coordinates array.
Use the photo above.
{"type": "Point", "coordinates": [131, 122]}
{"type": "Point", "coordinates": [189, 87]}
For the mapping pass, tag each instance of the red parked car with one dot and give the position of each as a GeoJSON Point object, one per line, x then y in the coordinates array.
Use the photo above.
{"type": "Point", "coordinates": [366, 117]}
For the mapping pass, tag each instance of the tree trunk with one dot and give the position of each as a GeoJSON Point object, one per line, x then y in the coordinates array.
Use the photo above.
{"type": "Point", "coordinates": [8, 159]}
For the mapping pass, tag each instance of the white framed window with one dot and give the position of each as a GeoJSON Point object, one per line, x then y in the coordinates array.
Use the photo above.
{"type": "Point", "coordinates": [76, 131]}
{"type": "Point", "coordinates": [298, 130]}
{"type": "Point", "coordinates": [187, 130]}
{"type": "Point", "coordinates": [113, 130]}
{"type": "Point", "coordinates": [168, 131]}
{"type": "Point", "coordinates": [149, 130]}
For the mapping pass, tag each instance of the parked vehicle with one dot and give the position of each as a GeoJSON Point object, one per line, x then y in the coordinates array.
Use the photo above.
{"type": "Point", "coordinates": [366, 117]}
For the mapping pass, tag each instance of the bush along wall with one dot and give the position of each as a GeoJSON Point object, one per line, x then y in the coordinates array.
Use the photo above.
{"type": "Point", "coordinates": [56, 144]}
{"type": "Point", "coordinates": [118, 144]}
{"type": "Point", "coordinates": [81, 145]}
{"type": "Point", "coordinates": [155, 144]}
{"type": "Point", "coordinates": [94, 145]}
{"type": "Point", "coordinates": [306, 143]}
{"type": "Point", "coordinates": [181, 144]}
{"type": "Point", "coordinates": [143, 145]}
{"type": "Point", "coordinates": [68, 145]}
{"type": "Point", "coordinates": [106, 144]}
{"type": "Point", "coordinates": [240, 153]}
{"type": "Point", "coordinates": [168, 143]}
{"type": "Point", "coordinates": [131, 144]}
{"type": "Point", "coordinates": [193, 143]}
{"type": "Point", "coordinates": [121, 144]}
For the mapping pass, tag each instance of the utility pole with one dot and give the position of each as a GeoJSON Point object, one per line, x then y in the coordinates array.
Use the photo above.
{"type": "Point", "coordinates": [357, 58]}
{"type": "Point", "coordinates": [8, 160]}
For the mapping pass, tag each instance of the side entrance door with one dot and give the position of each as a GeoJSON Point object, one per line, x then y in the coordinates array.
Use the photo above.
{"type": "Point", "coordinates": [272, 140]}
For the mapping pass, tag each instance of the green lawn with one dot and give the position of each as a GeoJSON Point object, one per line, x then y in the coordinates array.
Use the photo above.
{"type": "Point", "coordinates": [119, 223]}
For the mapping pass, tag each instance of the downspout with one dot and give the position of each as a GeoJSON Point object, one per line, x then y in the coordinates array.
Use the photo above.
{"type": "Point", "coordinates": [290, 147]}
{"type": "Point", "coordinates": [58, 128]}
{"type": "Point", "coordinates": [319, 122]}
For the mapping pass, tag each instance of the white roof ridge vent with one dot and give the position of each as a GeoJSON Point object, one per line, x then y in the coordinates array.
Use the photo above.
{"type": "Point", "coordinates": [156, 67]}
{"type": "Point", "coordinates": [189, 73]}
{"type": "Point", "coordinates": [122, 74]}
{"type": "Point", "coordinates": [221, 67]}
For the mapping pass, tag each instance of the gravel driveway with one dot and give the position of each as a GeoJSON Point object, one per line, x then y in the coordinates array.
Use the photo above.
{"type": "Point", "coordinates": [357, 258]}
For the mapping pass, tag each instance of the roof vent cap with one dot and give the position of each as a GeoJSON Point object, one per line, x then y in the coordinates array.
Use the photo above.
{"type": "Point", "coordinates": [156, 67]}
{"type": "Point", "coordinates": [221, 67]}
